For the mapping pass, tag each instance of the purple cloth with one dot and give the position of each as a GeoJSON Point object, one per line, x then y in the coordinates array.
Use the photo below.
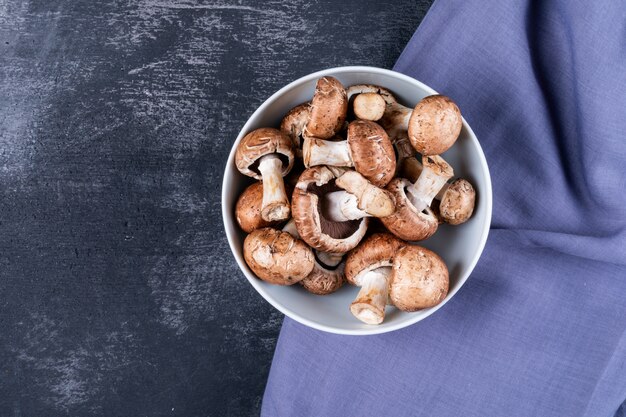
{"type": "Point", "coordinates": [539, 328]}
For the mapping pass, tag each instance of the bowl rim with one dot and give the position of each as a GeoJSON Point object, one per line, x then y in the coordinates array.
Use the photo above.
{"type": "Point", "coordinates": [257, 284]}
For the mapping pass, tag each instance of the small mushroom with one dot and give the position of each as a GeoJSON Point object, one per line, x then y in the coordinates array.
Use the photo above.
{"type": "Point", "coordinates": [277, 257]}
{"type": "Point", "coordinates": [360, 199]}
{"type": "Point", "coordinates": [419, 279]}
{"type": "Point", "coordinates": [307, 210]}
{"type": "Point", "coordinates": [367, 148]}
{"type": "Point", "coordinates": [267, 154]}
{"type": "Point", "coordinates": [435, 125]}
{"type": "Point", "coordinates": [369, 267]}
{"type": "Point", "coordinates": [248, 209]}
{"type": "Point", "coordinates": [456, 199]}
{"type": "Point", "coordinates": [293, 125]}
{"type": "Point", "coordinates": [328, 273]}
{"type": "Point", "coordinates": [457, 202]}
{"type": "Point", "coordinates": [328, 109]}
{"type": "Point", "coordinates": [369, 106]}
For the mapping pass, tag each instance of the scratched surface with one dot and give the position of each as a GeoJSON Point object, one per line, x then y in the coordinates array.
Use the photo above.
{"type": "Point", "coordinates": [118, 293]}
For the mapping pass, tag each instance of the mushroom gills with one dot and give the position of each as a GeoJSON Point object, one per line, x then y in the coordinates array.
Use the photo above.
{"type": "Point", "coordinates": [334, 229]}
{"type": "Point", "coordinates": [275, 202]}
{"type": "Point", "coordinates": [369, 305]}
{"type": "Point", "coordinates": [341, 206]}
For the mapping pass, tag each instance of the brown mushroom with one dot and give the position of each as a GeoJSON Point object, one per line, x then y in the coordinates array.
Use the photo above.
{"type": "Point", "coordinates": [328, 109]}
{"type": "Point", "coordinates": [360, 199]}
{"type": "Point", "coordinates": [407, 222]}
{"type": "Point", "coordinates": [414, 219]}
{"type": "Point", "coordinates": [277, 257]}
{"type": "Point", "coordinates": [456, 199]}
{"type": "Point", "coordinates": [457, 202]}
{"type": "Point", "coordinates": [435, 125]}
{"type": "Point", "coordinates": [419, 279]}
{"type": "Point", "coordinates": [367, 148]}
{"type": "Point", "coordinates": [327, 275]}
{"type": "Point", "coordinates": [248, 209]}
{"type": "Point", "coordinates": [314, 228]}
{"type": "Point", "coordinates": [293, 125]}
{"type": "Point", "coordinates": [267, 154]}
{"type": "Point", "coordinates": [369, 266]}
{"type": "Point", "coordinates": [324, 279]}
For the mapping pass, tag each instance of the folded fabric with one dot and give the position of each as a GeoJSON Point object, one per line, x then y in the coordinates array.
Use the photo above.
{"type": "Point", "coordinates": [539, 328]}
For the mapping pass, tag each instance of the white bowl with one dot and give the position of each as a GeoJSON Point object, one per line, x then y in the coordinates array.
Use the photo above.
{"type": "Point", "coordinates": [459, 246]}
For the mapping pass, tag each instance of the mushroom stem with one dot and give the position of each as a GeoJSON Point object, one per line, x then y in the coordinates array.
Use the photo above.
{"type": "Point", "coordinates": [406, 154]}
{"type": "Point", "coordinates": [369, 305]}
{"type": "Point", "coordinates": [374, 200]}
{"type": "Point", "coordinates": [396, 118]}
{"type": "Point", "coordinates": [275, 204]}
{"type": "Point", "coordinates": [325, 152]}
{"type": "Point", "coordinates": [411, 170]}
{"type": "Point", "coordinates": [341, 206]}
{"type": "Point", "coordinates": [291, 228]}
{"type": "Point", "coordinates": [435, 173]}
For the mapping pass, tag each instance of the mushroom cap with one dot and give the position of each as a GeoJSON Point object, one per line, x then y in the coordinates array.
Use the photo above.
{"type": "Point", "coordinates": [314, 229]}
{"type": "Point", "coordinates": [406, 222]}
{"type": "Point", "coordinates": [371, 151]}
{"type": "Point", "coordinates": [248, 209]}
{"type": "Point", "coordinates": [277, 257]}
{"type": "Point", "coordinates": [376, 251]}
{"type": "Point", "coordinates": [369, 106]}
{"type": "Point", "coordinates": [457, 203]}
{"type": "Point", "coordinates": [324, 281]}
{"type": "Point", "coordinates": [329, 108]}
{"type": "Point", "coordinates": [294, 122]}
{"type": "Point", "coordinates": [435, 125]}
{"type": "Point", "coordinates": [419, 279]}
{"type": "Point", "coordinates": [261, 142]}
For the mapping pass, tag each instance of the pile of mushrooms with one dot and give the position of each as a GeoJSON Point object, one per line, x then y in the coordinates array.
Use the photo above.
{"type": "Point", "coordinates": [360, 157]}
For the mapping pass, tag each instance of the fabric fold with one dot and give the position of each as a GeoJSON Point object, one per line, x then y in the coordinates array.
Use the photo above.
{"type": "Point", "coordinates": [538, 329]}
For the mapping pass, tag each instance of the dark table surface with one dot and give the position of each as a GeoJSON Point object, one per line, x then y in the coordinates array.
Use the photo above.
{"type": "Point", "coordinates": [118, 293]}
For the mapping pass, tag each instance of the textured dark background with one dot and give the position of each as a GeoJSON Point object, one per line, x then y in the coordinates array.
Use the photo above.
{"type": "Point", "coordinates": [118, 293]}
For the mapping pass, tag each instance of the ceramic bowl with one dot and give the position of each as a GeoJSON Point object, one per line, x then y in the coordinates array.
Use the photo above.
{"type": "Point", "coordinates": [459, 246]}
